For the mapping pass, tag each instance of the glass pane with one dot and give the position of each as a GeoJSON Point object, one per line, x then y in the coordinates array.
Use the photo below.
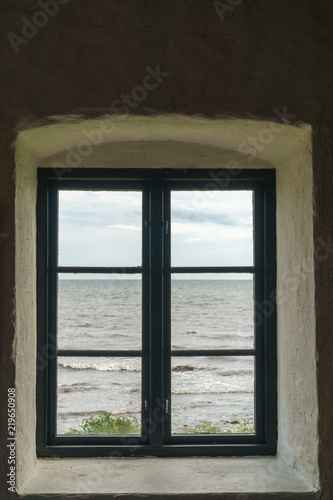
{"type": "Point", "coordinates": [100, 228]}
{"type": "Point", "coordinates": [212, 311]}
{"type": "Point", "coordinates": [211, 228]}
{"type": "Point", "coordinates": [212, 395]}
{"type": "Point", "coordinates": [99, 311]}
{"type": "Point", "coordinates": [99, 395]}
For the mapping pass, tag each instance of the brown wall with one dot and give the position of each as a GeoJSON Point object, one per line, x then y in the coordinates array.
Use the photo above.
{"type": "Point", "coordinates": [263, 55]}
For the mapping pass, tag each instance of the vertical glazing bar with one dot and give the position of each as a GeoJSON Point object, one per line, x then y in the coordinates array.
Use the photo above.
{"type": "Point", "coordinates": [156, 313]}
{"type": "Point", "coordinates": [52, 311]}
{"type": "Point", "coordinates": [259, 310]}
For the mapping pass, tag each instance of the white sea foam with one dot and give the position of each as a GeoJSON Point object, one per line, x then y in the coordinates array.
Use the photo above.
{"type": "Point", "coordinates": [102, 367]}
{"type": "Point", "coordinates": [224, 390]}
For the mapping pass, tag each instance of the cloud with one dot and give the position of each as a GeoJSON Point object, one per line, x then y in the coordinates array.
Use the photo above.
{"type": "Point", "coordinates": [205, 233]}
{"type": "Point", "coordinates": [230, 208]}
{"type": "Point", "coordinates": [99, 208]}
{"type": "Point", "coordinates": [244, 219]}
{"type": "Point", "coordinates": [124, 226]}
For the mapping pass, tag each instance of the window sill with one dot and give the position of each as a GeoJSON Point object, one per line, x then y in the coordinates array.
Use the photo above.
{"type": "Point", "coordinates": [166, 477]}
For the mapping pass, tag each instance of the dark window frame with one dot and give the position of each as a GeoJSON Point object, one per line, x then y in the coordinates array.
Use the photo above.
{"type": "Point", "coordinates": [156, 185]}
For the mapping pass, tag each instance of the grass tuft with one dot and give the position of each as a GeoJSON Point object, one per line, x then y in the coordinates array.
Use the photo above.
{"type": "Point", "coordinates": [105, 423]}
{"type": "Point", "coordinates": [236, 426]}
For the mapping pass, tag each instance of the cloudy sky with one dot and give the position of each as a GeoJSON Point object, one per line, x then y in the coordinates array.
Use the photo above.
{"type": "Point", "coordinates": [103, 228]}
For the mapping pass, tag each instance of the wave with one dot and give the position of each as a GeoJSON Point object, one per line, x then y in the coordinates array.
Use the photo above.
{"type": "Point", "coordinates": [224, 390]}
{"type": "Point", "coordinates": [226, 373]}
{"type": "Point", "coordinates": [103, 367]}
{"type": "Point", "coordinates": [188, 368]}
{"type": "Point", "coordinates": [226, 336]}
{"type": "Point", "coordinates": [231, 373]}
{"type": "Point", "coordinates": [76, 387]}
{"type": "Point", "coordinates": [89, 325]}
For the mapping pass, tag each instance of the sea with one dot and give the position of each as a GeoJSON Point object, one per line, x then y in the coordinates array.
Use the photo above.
{"type": "Point", "coordinates": [205, 314]}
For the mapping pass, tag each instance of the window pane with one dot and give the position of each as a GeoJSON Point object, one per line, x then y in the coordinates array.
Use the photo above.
{"type": "Point", "coordinates": [89, 386]}
{"type": "Point", "coordinates": [212, 311]}
{"type": "Point", "coordinates": [211, 228]}
{"type": "Point", "coordinates": [99, 311]}
{"type": "Point", "coordinates": [212, 395]}
{"type": "Point", "coordinates": [100, 228]}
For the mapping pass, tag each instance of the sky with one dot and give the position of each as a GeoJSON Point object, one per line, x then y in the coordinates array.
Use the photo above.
{"type": "Point", "coordinates": [104, 228]}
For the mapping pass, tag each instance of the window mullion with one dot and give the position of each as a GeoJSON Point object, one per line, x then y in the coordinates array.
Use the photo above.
{"type": "Point", "coordinates": [157, 400]}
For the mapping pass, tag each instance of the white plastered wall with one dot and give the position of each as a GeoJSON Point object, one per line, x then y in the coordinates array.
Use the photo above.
{"type": "Point", "coordinates": [182, 142]}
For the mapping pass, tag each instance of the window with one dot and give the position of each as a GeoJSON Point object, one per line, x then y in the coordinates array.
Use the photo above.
{"type": "Point", "coordinates": [156, 316]}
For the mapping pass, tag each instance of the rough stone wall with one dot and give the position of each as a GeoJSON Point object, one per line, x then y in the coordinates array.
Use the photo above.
{"type": "Point", "coordinates": [253, 58]}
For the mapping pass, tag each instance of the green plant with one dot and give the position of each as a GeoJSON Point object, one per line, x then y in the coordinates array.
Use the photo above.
{"type": "Point", "coordinates": [245, 426]}
{"type": "Point", "coordinates": [204, 427]}
{"type": "Point", "coordinates": [105, 423]}
{"type": "Point", "coordinates": [236, 426]}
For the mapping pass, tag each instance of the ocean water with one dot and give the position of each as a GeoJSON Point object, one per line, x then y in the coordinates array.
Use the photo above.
{"type": "Point", "coordinates": [106, 314]}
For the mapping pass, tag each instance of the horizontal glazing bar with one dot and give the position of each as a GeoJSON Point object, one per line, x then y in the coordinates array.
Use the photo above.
{"type": "Point", "coordinates": [98, 353]}
{"type": "Point", "coordinates": [214, 352]}
{"type": "Point", "coordinates": [219, 269]}
{"type": "Point", "coordinates": [100, 270]}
